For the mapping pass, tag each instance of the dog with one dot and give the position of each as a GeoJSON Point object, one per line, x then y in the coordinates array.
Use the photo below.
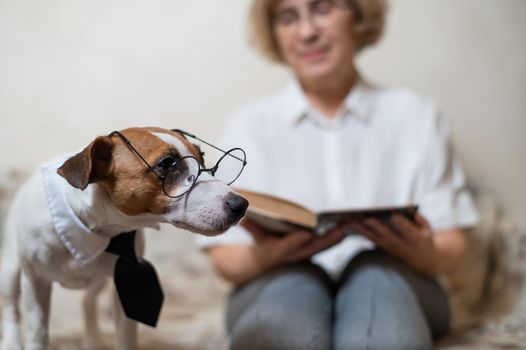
{"type": "Point", "coordinates": [65, 215]}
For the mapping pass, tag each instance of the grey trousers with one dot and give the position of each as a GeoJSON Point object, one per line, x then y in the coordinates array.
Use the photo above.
{"type": "Point", "coordinates": [378, 304]}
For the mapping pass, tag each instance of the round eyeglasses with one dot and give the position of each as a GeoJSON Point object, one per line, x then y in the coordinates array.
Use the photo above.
{"type": "Point", "coordinates": [180, 176]}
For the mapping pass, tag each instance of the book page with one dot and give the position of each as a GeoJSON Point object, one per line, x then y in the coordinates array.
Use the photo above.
{"type": "Point", "coordinates": [274, 225]}
{"type": "Point", "coordinates": [279, 209]}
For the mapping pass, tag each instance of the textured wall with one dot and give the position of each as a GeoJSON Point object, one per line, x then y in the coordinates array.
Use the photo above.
{"type": "Point", "coordinates": [73, 69]}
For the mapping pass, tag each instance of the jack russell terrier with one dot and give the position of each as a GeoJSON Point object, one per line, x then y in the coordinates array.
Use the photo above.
{"type": "Point", "coordinates": [75, 222]}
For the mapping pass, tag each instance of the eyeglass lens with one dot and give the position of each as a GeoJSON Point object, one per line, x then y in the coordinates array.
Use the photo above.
{"type": "Point", "coordinates": [181, 177]}
{"type": "Point", "coordinates": [314, 10]}
{"type": "Point", "coordinates": [230, 165]}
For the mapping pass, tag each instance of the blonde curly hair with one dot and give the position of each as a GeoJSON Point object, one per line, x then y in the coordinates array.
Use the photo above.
{"type": "Point", "coordinates": [369, 25]}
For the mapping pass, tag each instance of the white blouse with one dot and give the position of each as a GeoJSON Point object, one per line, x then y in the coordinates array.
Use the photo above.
{"type": "Point", "coordinates": [385, 147]}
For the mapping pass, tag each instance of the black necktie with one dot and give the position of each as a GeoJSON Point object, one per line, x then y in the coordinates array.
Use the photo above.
{"type": "Point", "coordinates": [136, 281]}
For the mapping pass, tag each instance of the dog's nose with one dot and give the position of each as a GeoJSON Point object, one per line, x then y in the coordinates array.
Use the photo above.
{"type": "Point", "coordinates": [237, 205]}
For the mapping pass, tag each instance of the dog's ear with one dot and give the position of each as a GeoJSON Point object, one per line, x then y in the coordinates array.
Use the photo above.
{"type": "Point", "coordinates": [90, 165]}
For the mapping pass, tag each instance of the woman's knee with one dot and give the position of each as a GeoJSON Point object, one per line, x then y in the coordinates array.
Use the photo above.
{"type": "Point", "coordinates": [288, 309]}
{"type": "Point", "coordinates": [384, 342]}
{"type": "Point", "coordinates": [264, 330]}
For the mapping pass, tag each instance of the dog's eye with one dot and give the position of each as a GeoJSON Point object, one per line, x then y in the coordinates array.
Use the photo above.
{"type": "Point", "coordinates": [166, 163]}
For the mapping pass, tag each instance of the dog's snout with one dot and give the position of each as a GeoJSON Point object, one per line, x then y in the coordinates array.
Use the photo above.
{"type": "Point", "coordinates": [237, 205]}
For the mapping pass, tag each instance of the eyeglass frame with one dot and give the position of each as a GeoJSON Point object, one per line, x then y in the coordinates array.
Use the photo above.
{"type": "Point", "coordinates": [201, 170]}
{"type": "Point", "coordinates": [344, 5]}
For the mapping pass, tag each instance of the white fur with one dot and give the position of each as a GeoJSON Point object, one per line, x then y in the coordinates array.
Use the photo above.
{"type": "Point", "coordinates": [174, 141]}
{"type": "Point", "coordinates": [34, 256]}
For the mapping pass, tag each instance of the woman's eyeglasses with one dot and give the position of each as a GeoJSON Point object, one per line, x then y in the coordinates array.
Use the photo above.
{"type": "Point", "coordinates": [313, 11]}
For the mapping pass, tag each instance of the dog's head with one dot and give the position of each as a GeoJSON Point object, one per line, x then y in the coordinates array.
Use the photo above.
{"type": "Point", "coordinates": [132, 165]}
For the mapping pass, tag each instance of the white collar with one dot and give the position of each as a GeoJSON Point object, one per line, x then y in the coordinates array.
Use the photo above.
{"type": "Point", "coordinates": [357, 103]}
{"type": "Point", "coordinates": [82, 243]}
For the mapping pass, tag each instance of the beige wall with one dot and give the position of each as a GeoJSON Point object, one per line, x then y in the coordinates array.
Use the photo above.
{"type": "Point", "coordinates": [72, 69]}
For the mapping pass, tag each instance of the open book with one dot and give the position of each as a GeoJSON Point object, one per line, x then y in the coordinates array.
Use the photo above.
{"type": "Point", "coordinates": [281, 216]}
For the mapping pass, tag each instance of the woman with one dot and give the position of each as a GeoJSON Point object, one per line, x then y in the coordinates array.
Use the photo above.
{"type": "Point", "coordinates": [329, 140]}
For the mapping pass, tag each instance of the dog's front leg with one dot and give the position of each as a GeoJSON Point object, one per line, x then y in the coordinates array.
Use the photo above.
{"type": "Point", "coordinates": [93, 338]}
{"type": "Point", "coordinates": [126, 328]}
{"type": "Point", "coordinates": [10, 274]}
{"type": "Point", "coordinates": [36, 295]}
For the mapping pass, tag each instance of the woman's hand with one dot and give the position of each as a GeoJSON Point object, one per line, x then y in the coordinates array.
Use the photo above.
{"type": "Point", "coordinates": [241, 263]}
{"type": "Point", "coordinates": [272, 250]}
{"type": "Point", "coordinates": [415, 243]}
{"type": "Point", "coordinates": [410, 241]}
